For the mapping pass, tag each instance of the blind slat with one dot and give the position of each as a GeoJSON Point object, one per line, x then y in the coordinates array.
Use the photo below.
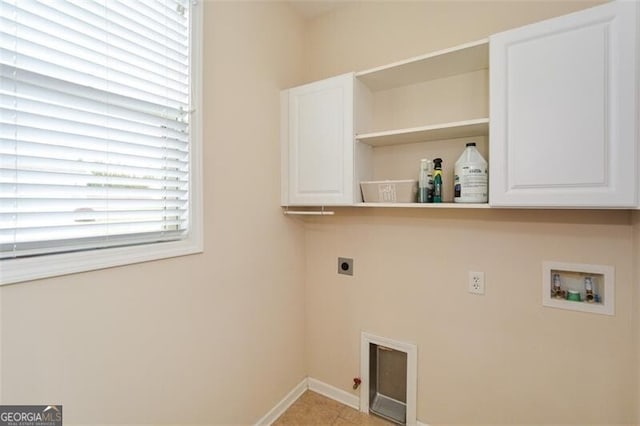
{"type": "Point", "coordinates": [62, 205]}
{"type": "Point", "coordinates": [56, 24]}
{"type": "Point", "coordinates": [99, 66]}
{"type": "Point", "coordinates": [107, 180]}
{"type": "Point", "coordinates": [89, 217]}
{"type": "Point", "coordinates": [55, 165]}
{"type": "Point", "coordinates": [15, 80]}
{"type": "Point", "coordinates": [141, 32]}
{"type": "Point", "coordinates": [89, 76]}
{"type": "Point", "coordinates": [171, 17]}
{"type": "Point", "coordinates": [10, 191]}
{"type": "Point", "coordinates": [85, 230]}
{"type": "Point", "coordinates": [58, 132]}
{"type": "Point", "coordinates": [103, 121]}
{"type": "Point", "coordinates": [79, 17]}
{"type": "Point", "coordinates": [9, 88]}
{"type": "Point", "coordinates": [175, 30]}
{"type": "Point", "coordinates": [43, 44]}
{"type": "Point", "coordinates": [74, 153]}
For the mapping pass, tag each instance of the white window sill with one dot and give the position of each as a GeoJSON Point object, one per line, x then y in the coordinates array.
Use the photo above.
{"type": "Point", "coordinates": [33, 268]}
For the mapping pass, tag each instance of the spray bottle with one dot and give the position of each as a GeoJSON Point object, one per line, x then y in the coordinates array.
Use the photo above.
{"type": "Point", "coordinates": [437, 180]}
{"type": "Point", "coordinates": [425, 182]}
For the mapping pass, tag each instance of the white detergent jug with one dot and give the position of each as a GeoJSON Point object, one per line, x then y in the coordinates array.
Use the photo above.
{"type": "Point", "coordinates": [471, 177]}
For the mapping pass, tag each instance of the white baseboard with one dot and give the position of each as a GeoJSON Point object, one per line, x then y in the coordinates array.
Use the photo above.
{"type": "Point", "coordinates": [334, 393]}
{"type": "Point", "coordinates": [282, 406]}
{"type": "Point", "coordinates": [319, 387]}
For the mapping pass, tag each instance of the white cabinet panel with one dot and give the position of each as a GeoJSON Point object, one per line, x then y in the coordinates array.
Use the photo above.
{"type": "Point", "coordinates": [563, 111]}
{"type": "Point", "coordinates": [318, 143]}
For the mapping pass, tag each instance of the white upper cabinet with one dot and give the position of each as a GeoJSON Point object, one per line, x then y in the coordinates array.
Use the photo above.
{"type": "Point", "coordinates": [318, 143]}
{"type": "Point", "coordinates": [563, 111]}
{"type": "Point", "coordinates": [560, 111]}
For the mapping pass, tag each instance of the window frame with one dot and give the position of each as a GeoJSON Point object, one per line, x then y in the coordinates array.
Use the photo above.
{"type": "Point", "coordinates": [50, 265]}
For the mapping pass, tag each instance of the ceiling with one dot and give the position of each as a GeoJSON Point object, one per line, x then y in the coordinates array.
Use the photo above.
{"type": "Point", "coordinates": [310, 9]}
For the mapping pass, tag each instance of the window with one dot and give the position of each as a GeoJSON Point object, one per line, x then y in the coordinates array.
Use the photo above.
{"type": "Point", "coordinates": [99, 134]}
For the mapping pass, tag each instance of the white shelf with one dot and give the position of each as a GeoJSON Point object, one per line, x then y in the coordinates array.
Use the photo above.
{"type": "Point", "coordinates": [461, 59]}
{"type": "Point", "coordinates": [455, 130]}
{"type": "Point", "coordinates": [426, 205]}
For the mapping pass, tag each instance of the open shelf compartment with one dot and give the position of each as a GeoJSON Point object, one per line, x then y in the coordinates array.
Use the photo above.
{"type": "Point", "coordinates": [461, 59]}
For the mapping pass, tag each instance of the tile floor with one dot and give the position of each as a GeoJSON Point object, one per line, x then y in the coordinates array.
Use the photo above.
{"type": "Point", "coordinates": [314, 409]}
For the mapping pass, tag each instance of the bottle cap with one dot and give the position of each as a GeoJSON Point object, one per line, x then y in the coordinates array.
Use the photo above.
{"type": "Point", "coordinates": [437, 162]}
{"type": "Point", "coordinates": [471, 144]}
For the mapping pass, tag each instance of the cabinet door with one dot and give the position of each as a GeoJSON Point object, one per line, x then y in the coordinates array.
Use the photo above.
{"type": "Point", "coordinates": [319, 167]}
{"type": "Point", "coordinates": [563, 110]}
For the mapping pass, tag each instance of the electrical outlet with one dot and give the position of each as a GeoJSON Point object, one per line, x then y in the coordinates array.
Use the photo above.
{"type": "Point", "coordinates": [345, 266]}
{"type": "Point", "coordinates": [476, 282]}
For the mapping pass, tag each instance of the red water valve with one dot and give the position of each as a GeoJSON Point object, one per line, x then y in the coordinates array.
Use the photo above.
{"type": "Point", "coordinates": [356, 382]}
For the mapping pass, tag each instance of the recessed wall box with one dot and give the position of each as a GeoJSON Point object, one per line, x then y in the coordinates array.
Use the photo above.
{"type": "Point", "coordinates": [579, 287]}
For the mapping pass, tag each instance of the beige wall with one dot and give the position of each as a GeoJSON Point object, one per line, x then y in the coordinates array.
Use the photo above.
{"type": "Point", "coordinates": [498, 358]}
{"type": "Point", "coordinates": [215, 338]}
{"type": "Point", "coordinates": [366, 34]}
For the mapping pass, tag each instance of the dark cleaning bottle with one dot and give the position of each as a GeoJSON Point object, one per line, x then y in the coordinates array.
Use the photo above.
{"type": "Point", "coordinates": [437, 180]}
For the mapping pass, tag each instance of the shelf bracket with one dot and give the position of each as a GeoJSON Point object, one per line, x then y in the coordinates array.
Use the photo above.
{"type": "Point", "coordinates": [321, 212]}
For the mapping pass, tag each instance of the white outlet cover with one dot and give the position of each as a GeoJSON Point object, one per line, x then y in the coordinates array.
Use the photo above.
{"type": "Point", "coordinates": [476, 282]}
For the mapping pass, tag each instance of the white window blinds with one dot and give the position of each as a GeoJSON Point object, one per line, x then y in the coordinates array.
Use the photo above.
{"type": "Point", "coordinates": [94, 117]}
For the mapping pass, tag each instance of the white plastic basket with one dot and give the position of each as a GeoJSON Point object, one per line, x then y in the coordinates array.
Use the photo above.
{"type": "Point", "coordinates": [389, 191]}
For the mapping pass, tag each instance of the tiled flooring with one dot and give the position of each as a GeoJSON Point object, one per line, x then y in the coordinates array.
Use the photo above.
{"type": "Point", "coordinates": [314, 409]}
